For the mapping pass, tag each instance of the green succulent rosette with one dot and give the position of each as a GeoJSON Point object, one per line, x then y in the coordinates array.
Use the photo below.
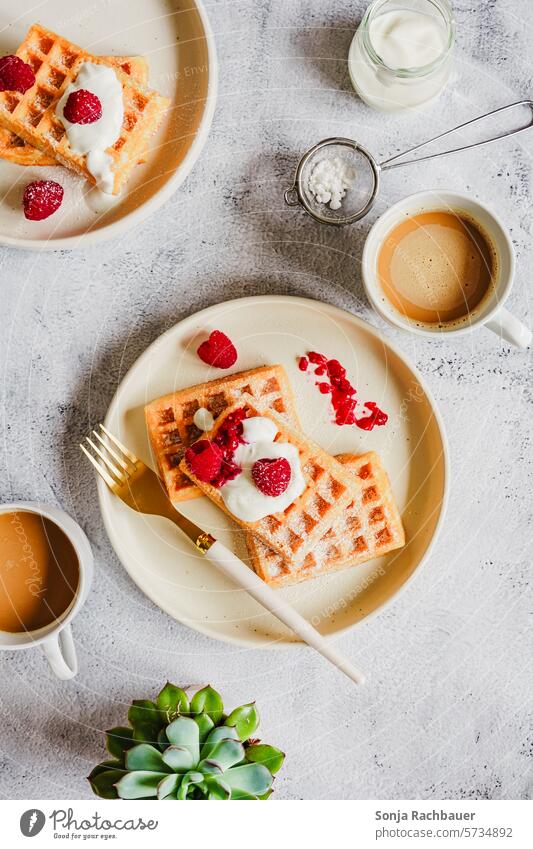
{"type": "Point", "coordinates": [176, 749]}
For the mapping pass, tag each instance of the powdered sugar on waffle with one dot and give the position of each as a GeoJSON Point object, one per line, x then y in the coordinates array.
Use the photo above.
{"type": "Point", "coordinates": [93, 139]}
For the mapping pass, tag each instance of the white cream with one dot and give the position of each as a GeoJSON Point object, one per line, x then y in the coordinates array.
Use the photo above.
{"type": "Point", "coordinates": [92, 140]}
{"type": "Point", "coordinates": [203, 419]}
{"type": "Point", "coordinates": [407, 39]}
{"type": "Point", "coordinates": [241, 496]}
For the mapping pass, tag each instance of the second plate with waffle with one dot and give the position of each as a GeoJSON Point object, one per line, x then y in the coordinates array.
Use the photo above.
{"type": "Point", "coordinates": [338, 550]}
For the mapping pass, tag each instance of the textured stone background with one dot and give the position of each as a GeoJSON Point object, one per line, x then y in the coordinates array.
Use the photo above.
{"type": "Point", "coordinates": [445, 713]}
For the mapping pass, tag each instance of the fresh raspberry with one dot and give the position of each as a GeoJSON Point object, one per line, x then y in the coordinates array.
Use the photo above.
{"type": "Point", "coordinates": [15, 75]}
{"type": "Point", "coordinates": [82, 107]}
{"type": "Point", "coordinates": [204, 459]}
{"type": "Point", "coordinates": [271, 476]}
{"type": "Point", "coordinates": [303, 363]}
{"type": "Point", "coordinates": [41, 199]}
{"type": "Point", "coordinates": [218, 350]}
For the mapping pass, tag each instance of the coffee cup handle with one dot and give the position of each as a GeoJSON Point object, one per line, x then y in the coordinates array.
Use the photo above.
{"type": "Point", "coordinates": [505, 325]}
{"type": "Point", "coordinates": [61, 654]}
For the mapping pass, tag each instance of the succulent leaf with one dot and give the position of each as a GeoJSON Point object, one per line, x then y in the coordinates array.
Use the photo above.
{"type": "Point", "coordinates": [162, 739]}
{"type": "Point", "coordinates": [145, 757]}
{"type": "Point", "coordinates": [216, 735]}
{"type": "Point", "coordinates": [245, 719]}
{"type": "Point", "coordinates": [141, 784]}
{"type": "Point", "coordinates": [185, 732]}
{"type": "Point", "coordinates": [208, 701]}
{"type": "Point", "coordinates": [168, 786]}
{"type": "Point", "coordinates": [252, 778]}
{"type": "Point", "coordinates": [217, 788]}
{"type": "Point", "coordinates": [210, 768]}
{"type": "Point", "coordinates": [226, 753]}
{"type": "Point", "coordinates": [146, 721]}
{"type": "Point", "coordinates": [205, 724]}
{"type": "Point", "coordinates": [104, 777]}
{"type": "Point", "coordinates": [271, 757]}
{"type": "Point", "coordinates": [172, 701]}
{"type": "Point", "coordinates": [189, 779]}
{"type": "Point", "coordinates": [241, 794]}
{"type": "Point", "coordinates": [178, 758]}
{"type": "Point", "coordinates": [119, 740]}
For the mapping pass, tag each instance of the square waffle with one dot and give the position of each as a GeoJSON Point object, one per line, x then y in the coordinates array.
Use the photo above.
{"type": "Point", "coordinates": [15, 150]}
{"type": "Point", "coordinates": [329, 490]}
{"type": "Point", "coordinates": [369, 527]}
{"type": "Point", "coordinates": [31, 116]}
{"type": "Point", "coordinates": [170, 419]}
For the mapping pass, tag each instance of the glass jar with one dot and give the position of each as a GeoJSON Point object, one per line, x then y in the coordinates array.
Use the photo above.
{"type": "Point", "coordinates": [400, 56]}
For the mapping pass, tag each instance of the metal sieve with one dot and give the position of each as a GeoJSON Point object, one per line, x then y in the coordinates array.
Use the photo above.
{"type": "Point", "coordinates": [361, 196]}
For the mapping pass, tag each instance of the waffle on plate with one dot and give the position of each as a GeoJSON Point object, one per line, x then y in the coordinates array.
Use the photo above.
{"type": "Point", "coordinates": [329, 490]}
{"type": "Point", "coordinates": [369, 527]}
{"type": "Point", "coordinates": [31, 116]}
{"type": "Point", "coordinates": [15, 150]}
{"type": "Point", "coordinates": [170, 419]}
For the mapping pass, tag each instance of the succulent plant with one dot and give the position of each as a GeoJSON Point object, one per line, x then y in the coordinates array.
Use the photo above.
{"type": "Point", "coordinates": [176, 749]}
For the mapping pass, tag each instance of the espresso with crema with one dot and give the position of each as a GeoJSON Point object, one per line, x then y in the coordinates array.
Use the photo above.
{"type": "Point", "coordinates": [39, 571]}
{"type": "Point", "coordinates": [437, 268]}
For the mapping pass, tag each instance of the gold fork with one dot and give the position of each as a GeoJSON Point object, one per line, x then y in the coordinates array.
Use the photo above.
{"type": "Point", "coordinates": [142, 490]}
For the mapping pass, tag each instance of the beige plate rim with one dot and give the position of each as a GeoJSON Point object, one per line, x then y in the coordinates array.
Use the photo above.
{"type": "Point", "coordinates": [132, 219]}
{"type": "Point", "coordinates": [204, 316]}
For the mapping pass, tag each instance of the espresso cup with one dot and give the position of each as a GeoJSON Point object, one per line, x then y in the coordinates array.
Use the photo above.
{"type": "Point", "coordinates": [56, 638]}
{"type": "Point", "coordinates": [491, 312]}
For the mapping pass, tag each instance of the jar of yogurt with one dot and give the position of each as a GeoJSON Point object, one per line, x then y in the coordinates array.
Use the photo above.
{"type": "Point", "coordinates": [400, 56]}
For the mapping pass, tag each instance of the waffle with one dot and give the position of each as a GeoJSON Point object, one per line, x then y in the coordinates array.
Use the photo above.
{"type": "Point", "coordinates": [329, 490]}
{"type": "Point", "coordinates": [31, 116]}
{"type": "Point", "coordinates": [170, 419]}
{"type": "Point", "coordinates": [370, 527]}
{"type": "Point", "coordinates": [18, 152]}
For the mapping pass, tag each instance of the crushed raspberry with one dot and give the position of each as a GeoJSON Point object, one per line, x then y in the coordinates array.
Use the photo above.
{"type": "Point", "coordinates": [218, 350]}
{"type": "Point", "coordinates": [204, 459]}
{"type": "Point", "coordinates": [343, 394]}
{"type": "Point", "coordinates": [272, 476]}
{"type": "Point", "coordinates": [227, 439]}
{"type": "Point", "coordinates": [41, 199]}
{"type": "Point", "coordinates": [15, 75]}
{"type": "Point", "coordinates": [82, 107]}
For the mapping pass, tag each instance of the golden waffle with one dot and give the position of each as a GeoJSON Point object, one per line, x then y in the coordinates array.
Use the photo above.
{"type": "Point", "coordinates": [16, 150]}
{"type": "Point", "coordinates": [369, 527]}
{"type": "Point", "coordinates": [170, 419]}
{"type": "Point", "coordinates": [330, 489]}
{"type": "Point", "coordinates": [31, 116]}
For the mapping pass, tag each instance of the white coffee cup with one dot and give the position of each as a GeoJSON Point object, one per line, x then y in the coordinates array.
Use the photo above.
{"type": "Point", "coordinates": [491, 312]}
{"type": "Point", "coordinates": [56, 638]}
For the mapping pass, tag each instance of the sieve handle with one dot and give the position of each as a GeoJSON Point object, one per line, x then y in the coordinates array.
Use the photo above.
{"type": "Point", "coordinates": [392, 162]}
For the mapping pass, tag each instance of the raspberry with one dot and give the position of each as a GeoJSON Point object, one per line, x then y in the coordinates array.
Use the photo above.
{"type": "Point", "coordinates": [303, 363]}
{"type": "Point", "coordinates": [15, 75]}
{"type": "Point", "coordinates": [218, 350]}
{"type": "Point", "coordinates": [82, 107]}
{"type": "Point", "coordinates": [41, 199]}
{"type": "Point", "coordinates": [204, 459]}
{"type": "Point", "coordinates": [271, 476]}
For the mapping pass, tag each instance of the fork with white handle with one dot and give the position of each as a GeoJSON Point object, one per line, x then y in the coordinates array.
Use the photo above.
{"type": "Point", "coordinates": [142, 490]}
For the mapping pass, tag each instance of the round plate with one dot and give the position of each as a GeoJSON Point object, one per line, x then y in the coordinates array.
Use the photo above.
{"type": "Point", "coordinates": [412, 446]}
{"type": "Point", "coordinates": [180, 50]}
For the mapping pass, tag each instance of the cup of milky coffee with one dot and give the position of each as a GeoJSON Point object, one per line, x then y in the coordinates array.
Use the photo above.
{"type": "Point", "coordinates": [439, 263]}
{"type": "Point", "coordinates": [46, 568]}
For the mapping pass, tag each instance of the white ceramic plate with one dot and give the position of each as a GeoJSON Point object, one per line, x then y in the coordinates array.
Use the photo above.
{"type": "Point", "coordinates": [280, 329]}
{"type": "Point", "coordinates": [176, 40]}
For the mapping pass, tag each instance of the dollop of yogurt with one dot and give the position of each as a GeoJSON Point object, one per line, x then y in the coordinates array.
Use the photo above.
{"type": "Point", "coordinates": [92, 140]}
{"type": "Point", "coordinates": [203, 419]}
{"type": "Point", "coordinates": [240, 495]}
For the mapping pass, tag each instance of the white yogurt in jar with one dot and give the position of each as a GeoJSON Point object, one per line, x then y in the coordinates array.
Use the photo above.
{"type": "Point", "coordinates": [241, 496]}
{"type": "Point", "coordinates": [400, 57]}
{"type": "Point", "coordinates": [92, 140]}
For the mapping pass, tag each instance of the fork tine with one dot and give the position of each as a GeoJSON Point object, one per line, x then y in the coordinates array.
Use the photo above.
{"type": "Point", "coordinates": [120, 446]}
{"type": "Point", "coordinates": [109, 449]}
{"type": "Point", "coordinates": [101, 471]}
{"type": "Point", "coordinates": [111, 466]}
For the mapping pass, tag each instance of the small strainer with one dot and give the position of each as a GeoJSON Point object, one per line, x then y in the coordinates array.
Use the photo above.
{"type": "Point", "coordinates": [360, 197]}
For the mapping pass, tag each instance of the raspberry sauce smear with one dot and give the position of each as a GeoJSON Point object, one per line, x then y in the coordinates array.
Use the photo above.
{"type": "Point", "coordinates": [332, 381]}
